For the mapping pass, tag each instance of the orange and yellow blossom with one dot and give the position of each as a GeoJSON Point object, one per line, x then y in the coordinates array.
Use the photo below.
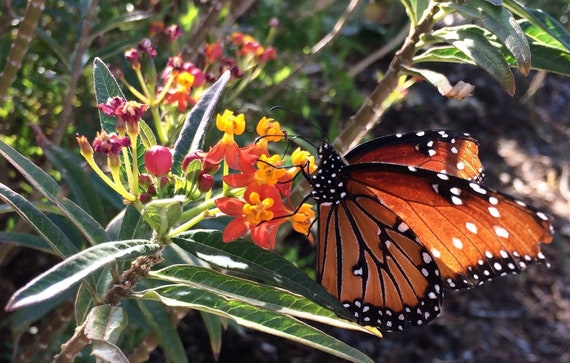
{"type": "Point", "coordinates": [260, 214]}
{"type": "Point", "coordinates": [227, 149]}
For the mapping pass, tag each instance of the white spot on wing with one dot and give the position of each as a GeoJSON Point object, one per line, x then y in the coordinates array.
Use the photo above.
{"type": "Point", "coordinates": [471, 227]}
{"type": "Point", "coordinates": [494, 212]}
{"type": "Point", "coordinates": [457, 243]}
{"type": "Point", "coordinates": [501, 232]}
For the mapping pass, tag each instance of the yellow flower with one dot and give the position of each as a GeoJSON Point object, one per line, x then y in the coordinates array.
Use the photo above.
{"type": "Point", "coordinates": [303, 219]}
{"type": "Point", "coordinates": [231, 124]}
{"type": "Point", "coordinates": [302, 159]}
{"type": "Point", "coordinates": [268, 170]}
{"type": "Point", "coordinates": [257, 210]}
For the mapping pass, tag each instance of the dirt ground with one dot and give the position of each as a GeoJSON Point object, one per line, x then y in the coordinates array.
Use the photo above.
{"type": "Point", "coordinates": [525, 143]}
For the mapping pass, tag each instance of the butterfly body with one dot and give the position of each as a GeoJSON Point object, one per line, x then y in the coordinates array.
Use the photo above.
{"type": "Point", "coordinates": [402, 217]}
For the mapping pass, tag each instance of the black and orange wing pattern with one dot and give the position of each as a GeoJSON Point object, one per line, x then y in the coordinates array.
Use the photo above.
{"type": "Point", "coordinates": [449, 152]}
{"type": "Point", "coordinates": [393, 233]}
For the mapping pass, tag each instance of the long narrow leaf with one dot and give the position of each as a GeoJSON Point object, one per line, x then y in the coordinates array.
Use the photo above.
{"type": "Point", "coordinates": [158, 317]}
{"type": "Point", "coordinates": [473, 41]}
{"type": "Point", "coordinates": [502, 24]}
{"type": "Point", "coordinates": [26, 240]}
{"type": "Point", "coordinates": [90, 228]}
{"type": "Point", "coordinates": [253, 317]}
{"type": "Point", "coordinates": [105, 87]}
{"type": "Point", "coordinates": [253, 293]}
{"type": "Point", "coordinates": [48, 230]}
{"type": "Point", "coordinates": [541, 20]}
{"type": "Point", "coordinates": [246, 259]}
{"type": "Point", "coordinates": [72, 270]}
{"type": "Point", "coordinates": [194, 129]}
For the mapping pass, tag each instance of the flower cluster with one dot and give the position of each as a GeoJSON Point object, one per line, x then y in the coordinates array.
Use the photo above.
{"type": "Point", "coordinates": [265, 181]}
{"type": "Point", "coordinates": [256, 184]}
{"type": "Point", "coordinates": [180, 82]}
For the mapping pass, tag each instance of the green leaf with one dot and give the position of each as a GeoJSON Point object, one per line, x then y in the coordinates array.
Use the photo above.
{"type": "Point", "coordinates": [161, 214]}
{"type": "Point", "coordinates": [119, 21]}
{"type": "Point", "coordinates": [550, 59]}
{"type": "Point", "coordinates": [158, 317]}
{"type": "Point", "coordinates": [253, 317]}
{"type": "Point", "coordinates": [415, 9]}
{"type": "Point", "coordinates": [542, 20]}
{"type": "Point", "coordinates": [26, 240]}
{"type": "Point", "coordinates": [251, 292]}
{"type": "Point", "coordinates": [103, 327]}
{"type": "Point", "coordinates": [247, 259]}
{"type": "Point", "coordinates": [105, 87]}
{"type": "Point", "coordinates": [147, 136]}
{"type": "Point", "coordinates": [502, 24]}
{"type": "Point", "coordinates": [539, 36]}
{"type": "Point", "coordinates": [90, 228]}
{"type": "Point", "coordinates": [476, 44]}
{"type": "Point", "coordinates": [194, 129]}
{"type": "Point", "coordinates": [105, 322]}
{"type": "Point", "coordinates": [83, 192]}
{"type": "Point", "coordinates": [72, 270]}
{"type": "Point", "coordinates": [214, 326]}
{"type": "Point", "coordinates": [48, 230]}
{"type": "Point", "coordinates": [443, 53]}
{"type": "Point", "coordinates": [51, 43]}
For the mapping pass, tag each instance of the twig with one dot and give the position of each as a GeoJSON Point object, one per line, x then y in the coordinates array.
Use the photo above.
{"type": "Point", "coordinates": [20, 46]}
{"type": "Point", "coordinates": [372, 109]}
{"type": "Point", "coordinates": [316, 49]}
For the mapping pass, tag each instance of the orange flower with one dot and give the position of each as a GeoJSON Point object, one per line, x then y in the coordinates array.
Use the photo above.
{"type": "Point", "coordinates": [268, 174]}
{"type": "Point", "coordinates": [213, 52]}
{"type": "Point", "coordinates": [303, 219]}
{"type": "Point", "coordinates": [259, 214]}
{"type": "Point", "coordinates": [227, 149]}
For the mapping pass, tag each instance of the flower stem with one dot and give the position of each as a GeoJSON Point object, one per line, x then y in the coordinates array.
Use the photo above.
{"type": "Point", "coordinates": [118, 187]}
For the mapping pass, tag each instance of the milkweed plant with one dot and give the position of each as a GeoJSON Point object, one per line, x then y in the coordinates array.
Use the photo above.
{"type": "Point", "coordinates": [199, 184]}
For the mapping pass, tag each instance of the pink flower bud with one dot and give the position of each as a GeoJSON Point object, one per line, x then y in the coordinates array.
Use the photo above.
{"type": "Point", "coordinates": [195, 155]}
{"type": "Point", "coordinates": [158, 160]}
{"type": "Point", "coordinates": [205, 182]}
{"type": "Point", "coordinates": [145, 198]}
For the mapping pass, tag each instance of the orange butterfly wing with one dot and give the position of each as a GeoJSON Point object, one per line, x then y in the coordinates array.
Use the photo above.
{"type": "Point", "coordinates": [373, 263]}
{"type": "Point", "coordinates": [473, 233]}
{"type": "Point", "coordinates": [448, 152]}
{"type": "Point", "coordinates": [391, 236]}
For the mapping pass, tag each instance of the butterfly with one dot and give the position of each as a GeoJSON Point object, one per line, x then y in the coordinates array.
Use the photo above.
{"type": "Point", "coordinates": [403, 217]}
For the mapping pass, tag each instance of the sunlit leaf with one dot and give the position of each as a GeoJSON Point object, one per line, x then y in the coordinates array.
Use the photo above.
{"type": "Point", "coordinates": [194, 129]}
{"type": "Point", "coordinates": [247, 259]}
{"type": "Point", "coordinates": [68, 273]}
{"type": "Point", "coordinates": [500, 22]}
{"type": "Point", "coordinates": [253, 317]}
{"type": "Point", "coordinates": [476, 43]}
